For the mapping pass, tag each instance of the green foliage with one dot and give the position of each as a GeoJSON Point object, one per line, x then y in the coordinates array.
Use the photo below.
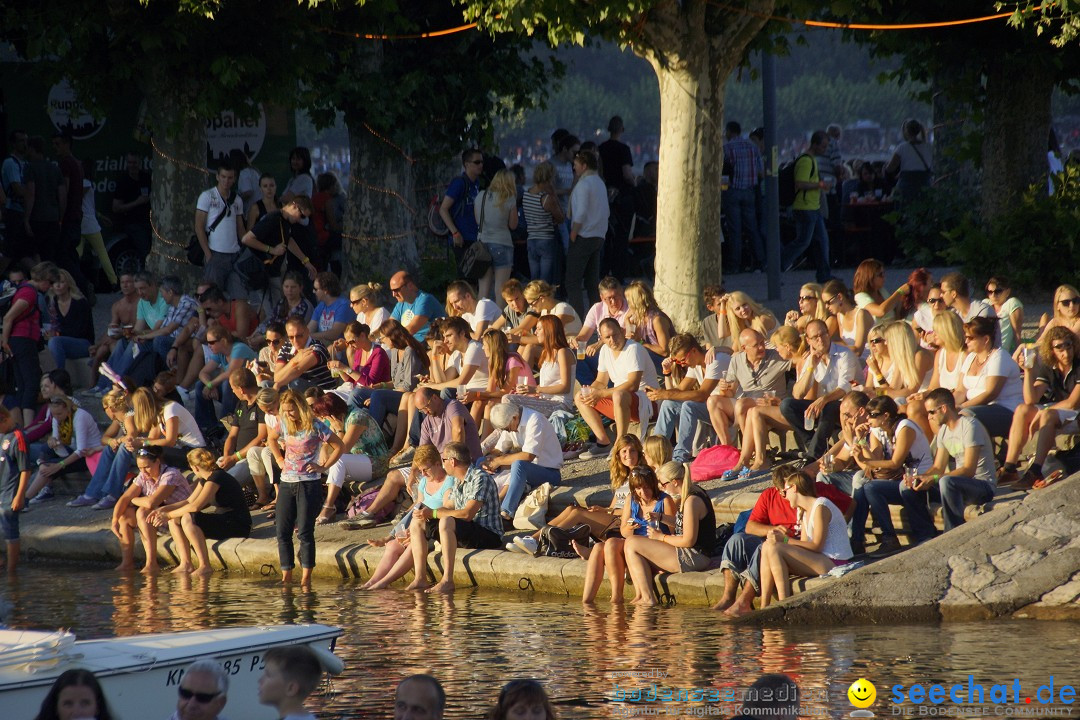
{"type": "Point", "coordinates": [929, 224]}
{"type": "Point", "coordinates": [1033, 244]}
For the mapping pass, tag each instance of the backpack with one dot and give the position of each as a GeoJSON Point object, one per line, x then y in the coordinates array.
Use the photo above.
{"type": "Point", "coordinates": [787, 181]}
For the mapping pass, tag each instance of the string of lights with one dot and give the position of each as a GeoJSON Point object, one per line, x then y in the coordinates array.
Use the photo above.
{"type": "Point", "coordinates": [385, 191]}
{"type": "Point", "coordinates": [390, 143]}
{"type": "Point", "coordinates": [177, 161]}
{"type": "Point", "coordinates": [412, 36]}
{"type": "Point", "coordinates": [873, 26]}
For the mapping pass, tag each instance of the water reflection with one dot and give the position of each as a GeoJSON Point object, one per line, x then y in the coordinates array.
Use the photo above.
{"type": "Point", "coordinates": [477, 640]}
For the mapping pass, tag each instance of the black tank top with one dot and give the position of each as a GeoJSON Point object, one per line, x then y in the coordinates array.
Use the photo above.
{"type": "Point", "coordinates": [706, 535]}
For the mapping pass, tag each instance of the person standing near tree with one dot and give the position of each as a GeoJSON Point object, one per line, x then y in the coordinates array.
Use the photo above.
{"type": "Point", "coordinates": [457, 207]}
{"type": "Point", "coordinates": [809, 222]}
{"type": "Point", "coordinates": [131, 203]}
{"type": "Point", "coordinates": [618, 167]}
{"type": "Point", "coordinates": [219, 225]}
{"type": "Point", "coordinates": [71, 192]}
{"type": "Point", "coordinates": [589, 212]}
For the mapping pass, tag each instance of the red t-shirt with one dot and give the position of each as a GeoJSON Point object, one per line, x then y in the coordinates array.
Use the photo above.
{"type": "Point", "coordinates": [27, 325]}
{"type": "Point", "coordinates": [772, 509]}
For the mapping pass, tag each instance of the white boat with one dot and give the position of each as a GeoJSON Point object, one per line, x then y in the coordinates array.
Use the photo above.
{"type": "Point", "coordinates": [140, 674]}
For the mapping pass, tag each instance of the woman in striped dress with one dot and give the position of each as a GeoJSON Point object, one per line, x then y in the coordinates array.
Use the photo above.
{"type": "Point", "coordinates": [542, 213]}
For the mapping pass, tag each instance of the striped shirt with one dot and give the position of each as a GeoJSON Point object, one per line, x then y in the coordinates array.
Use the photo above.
{"type": "Point", "coordinates": [537, 219]}
{"type": "Point", "coordinates": [745, 160]}
{"type": "Point", "coordinates": [478, 485]}
{"type": "Point", "coordinates": [319, 374]}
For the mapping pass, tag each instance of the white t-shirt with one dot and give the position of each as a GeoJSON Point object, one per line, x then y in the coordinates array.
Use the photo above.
{"type": "Point", "coordinates": [633, 358]}
{"type": "Point", "coordinates": [475, 355]}
{"type": "Point", "coordinates": [978, 308]}
{"type": "Point", "coordinates": [374, 319]}
{"type": "Point", "coordinates": [571, 328]}
{"type": "Point", "coordinates": [86, 434]}
{"type": "Point", "coordinates": [189, 433]}
{"type": "Point", "coordinates": [90, 224]}
{"type": "Point", "coordinates": [223, 239]}
{"type": "Point", "coordinates": [999, 364]}
{"type": "Point", "coordinates": [486, 311]}
{"type": "Point", "coordinates": [550, 375]}
{"type": "Point", "coordinates": [536, 436]}
{"type": "Point", "coordinates": [249, 182]}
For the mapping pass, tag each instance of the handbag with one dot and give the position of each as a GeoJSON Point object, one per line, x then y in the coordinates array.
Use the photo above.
{"type": "Point", "coordinates": [556, 542]}
{"type": "Point", "coordinates": [532, 511]}
{"type": "Point", "coordinates": [194, 250]}
{"type": "Point", "coordinates": [477, 258]}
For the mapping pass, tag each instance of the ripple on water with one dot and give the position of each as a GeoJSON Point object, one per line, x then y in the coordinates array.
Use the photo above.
{"type": "Point", "coordinates": [477, 640]}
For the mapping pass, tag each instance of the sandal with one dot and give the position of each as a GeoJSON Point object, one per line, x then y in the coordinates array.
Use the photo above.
{"type": "Point", "coordinates": [1048, 480]}
{"type": "Point", "coordinates": [269, 506]}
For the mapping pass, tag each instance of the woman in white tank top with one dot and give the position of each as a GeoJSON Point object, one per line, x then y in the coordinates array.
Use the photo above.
{"type": "Point", "coordinates": [822, 546]}
{"type": "Point", "coordinates": [948, 364]}
{"type": "Point", "coordinates": [555, 388]}
{"type": "Point", "coordinates": [853, 323]}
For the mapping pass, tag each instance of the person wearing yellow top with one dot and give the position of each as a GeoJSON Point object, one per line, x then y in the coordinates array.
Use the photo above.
{"type": "Point", "coordinates": [809, 223]}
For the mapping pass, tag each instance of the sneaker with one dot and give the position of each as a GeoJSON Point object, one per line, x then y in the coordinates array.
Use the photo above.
{"type": "Point", "coordinates": [403, 458]}
{"type": "Point", "coordinates": [1008, 477]}
{"type": "Point", "coordinates": [889, 545]}
{"type": "Point", "coordinates": [595, 451]}
{"type": "Point", "coordinates": [82, 501]}
{"type": "Point", "coordinates": [105, 503]}
{"type": "Point", "coordinates": [360, 521]}
{"type": "Point", "coordinates": [526, 544]}
{"type": "Point", "coordinates": [45, 495]}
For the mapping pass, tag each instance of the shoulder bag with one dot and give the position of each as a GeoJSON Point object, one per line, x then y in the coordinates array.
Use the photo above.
{"type": "Point", "coordinates": [194, 249]}
{"type": "Point", "coordinates": [477, 258]}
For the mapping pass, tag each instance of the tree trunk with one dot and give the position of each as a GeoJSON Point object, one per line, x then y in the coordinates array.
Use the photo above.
{"type": "Point", "coordinates": [692, 65]}
{"type": "Point", "coordinates": [381, 216]}
{"type": "Point", "coordinates": [952, 122]}
{"type": "Point", "coordinates": [1018, 92]}
{"type": "Point", "coordinates": [179, 176]}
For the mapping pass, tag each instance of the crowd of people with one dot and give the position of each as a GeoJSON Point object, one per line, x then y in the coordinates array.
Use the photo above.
{"type": "Point", "coordinates": [441, 416]}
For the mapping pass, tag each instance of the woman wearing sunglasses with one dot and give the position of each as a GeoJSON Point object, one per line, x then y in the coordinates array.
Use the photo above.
{"type": "Point", "coordinates": [1066, 313]}
{"type": "Point", "coordinates": [897, 366]}
{"type": "Point", "coordinates": [810, 308]}
{"type": "Point", "coordinates": [991, 385]}
{"type": "Point", "coordinates": [852, 323]}
{"type": "Point", "coordinates": [1054, 379]}
{"type": "Point", "coordinates": [948, 361]}
{"type": "Point", "coordinates": [888, 444]}
{"type": "Point", "coordinates": [822, 546]}
{"type": "Point", "coordinates": [1010, 312]}
{"type": "Point", "coordinates": [368, 364]}
{"type": "Point", "coordinates": [688, 549]}
{"type": "Point", "coordinates": [156, 484]}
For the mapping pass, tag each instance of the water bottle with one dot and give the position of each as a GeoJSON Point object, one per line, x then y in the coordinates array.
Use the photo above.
{"type": "Point", "coordinates": [808, 422]}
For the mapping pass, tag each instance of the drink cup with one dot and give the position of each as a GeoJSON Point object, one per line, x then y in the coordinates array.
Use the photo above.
{"type": "Point", "coordinates": [827, 463]}
{"type": "Point", "coordinates": [808, 422]}
{"type": "Point", "coordinates": [581, 349]}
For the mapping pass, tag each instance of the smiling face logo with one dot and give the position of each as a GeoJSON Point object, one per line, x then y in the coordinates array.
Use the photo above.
{"type": "Point", "coordinates": [862, 693]}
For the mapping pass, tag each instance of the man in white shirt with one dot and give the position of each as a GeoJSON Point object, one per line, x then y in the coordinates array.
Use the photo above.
{"type": "Point", "coordinates": [612, 304]}
{"type": "Point", "coordinates": [813, 411]}
{"type": "Point", "coordinates": [219, 225]}
{"type": "Point", "coordinates": [537, 462]}
{"type": "Point", "coordinates": [589, 213]}
{"type": "Point", "coordinates": [956, 292]}
{"type": "Point", "coordinates": [478, 313]}
{"type": "Point", "coordinates": [684, 406]}
{"type": "Point", "coordinates": [630, 369]}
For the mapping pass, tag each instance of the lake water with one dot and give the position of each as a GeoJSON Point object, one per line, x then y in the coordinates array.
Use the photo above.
{"type": "Point", "coordinates": [478, 640]}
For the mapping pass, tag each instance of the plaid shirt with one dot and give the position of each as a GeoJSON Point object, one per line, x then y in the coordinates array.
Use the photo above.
{"type": "Point", "coordinates": [478, 485]}
{"type": "Point", "coordinates": [181, 313]}
{"type": "Point", "coordinates": [745, 160]}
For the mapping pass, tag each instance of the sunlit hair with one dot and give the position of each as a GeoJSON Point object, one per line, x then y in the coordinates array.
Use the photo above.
{"type": "Point", "coordinates": [147, 410]}
{"type": "Point", "coordinates": [537, 289]}
{"type": "Point", "coordinates": [758, 319]}
{"type": "Point", "coordinates": [672, 471]}
{"type": "Point", "coordinates": [864, 278]}
{"type": "Point", "coordinates": [620, 472]}
{"type": "Point", "coordinates": [366, 290]}
{"type": "Point", "coordinates": [949, 330]}
{"type": "Point", "coordinates": [819, 313]}
{"type": "Point", "coordinates": [543, 173]}
{"type": "Point", "coordinates": [426, 456]}
{"type": "Point", "coordinates": [554, 338]}
{"type": "Point", "coordinates": [329, 405]}
{"type": "Point", "coordinates": [528, 692]}
{"type": "Point", "coordinates": [983, 327]}
{"type": "Point", "coordinates": [836, 287]}
{"type": "Point", "coordinates": [267, 398]}
{"type": "Point", "coordinates": [1063, 291]}
{"type": "Point", "coordinates": [291, 398]}
{"type": "Point", "coordinates": [116, 400]}
{"type": "Point", "coordinates": [502, 187]}
{"type": "Point", "coordinates": [461, 288]}
{"type": "Point", "coordinates": [641, 302]}
{"type": "Point", "coordinates": [789, 337]}
{"type": "Point", "coordinates": [903, 349]}
{"type": "Point", "coordinates": [1058, 333]}
{"type": "Point", "coordinates": [201, 459]}
{"type": "Point", "coordinates": [657, 450]}
{"type": "Point", "coordinates": [497, 349]}
{"type": "Point", "coordinates": [919, 281]}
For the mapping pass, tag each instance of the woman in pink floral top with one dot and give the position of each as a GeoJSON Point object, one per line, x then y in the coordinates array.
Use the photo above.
{"type": "Point", "coordinates": [156, 484]}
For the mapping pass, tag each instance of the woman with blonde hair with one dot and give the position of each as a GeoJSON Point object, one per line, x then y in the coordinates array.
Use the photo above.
{"type": "Point", "coordinates": [303, 462]}
{"type": "Point", "coordinates": [506, 371]}
{"type": "Point", "coordinates": [496, 215]}
{"type": "Point", "coordinates": [948, 360]}
{"type": "Point", "coordinates": [542, 213]}
{"type": "Point", "coordinates": [810, 308]}
{"type": "Point", "coordinates": [117, 405]}
{"type": "Point", "coordinates": [791, 345]}
{"type": "Point", "coordinates": [72, 322]}
{"type": "Point", "coordinates": [364, 301]}
{"type": "Point", "coordinates": [555, 388]}
{"type": "Point", "coordinates": [541, 297]}
{"type": "Point", "coordinates": [852, 323]}
{"type": "Point", "coordinates": [1066, 313]}
{"type": "Point", "coordinates": [646, 323]}
{"type": "Point", "coordinates": [739, 312]}
{"type": "Point", "coordinates": [75, 441]}
{"type": "Point", "coordinates": [914, 364]}
{"type": "Point", "coordinates": [190, 526]}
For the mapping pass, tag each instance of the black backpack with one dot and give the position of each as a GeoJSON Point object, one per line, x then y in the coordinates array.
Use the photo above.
{"type": "Point", "coordinates": [787, 182]}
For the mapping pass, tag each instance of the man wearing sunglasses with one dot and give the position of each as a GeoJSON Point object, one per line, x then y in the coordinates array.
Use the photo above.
{"type": "Point", "coordinates": [682, 406]}
{"type": "Point", "coordinates": [815, 401]}
{"type": "Point", "coordinates": [456, 209]}
{"type": "Point", "coordinates": [415, 308]}
{"type": "Point", "coordinates": [202, 692]}
{"type": "Point", "coordinates": [269, 240]}
{"type": "Point", "coordinates": [956, 292]}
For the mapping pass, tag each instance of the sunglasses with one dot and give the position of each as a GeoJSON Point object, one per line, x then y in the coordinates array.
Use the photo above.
{"type": "Point", "coordinates": [395, 291]}
{"type": "Point", "coordinates": [833, 299]}
{"type": "Point", "coordinates": [1068, 302]}
{"type": "Point", "coordinates": [993, 291]}
{"type": "Point", "coordinates": [678, 360]}
{"type": "Point", "coordinates": [1062, 346]}
{"type": "Point", "coordinates": [146, 453]}
{"type": "Point", "coordinates": [877, 341]}
{"type": "Point", "coordinates": [936, 301]}
{"type": "Point", "coordinates": [275, 341]}
{"type": "Point", "coordinates": [200, 697]}
{"type": "Point", "coordinates": [807, 298]}
{"type": "Point", "coordinates": [874, 414]}
{"type": "Point", "coordinates": [357, 302]}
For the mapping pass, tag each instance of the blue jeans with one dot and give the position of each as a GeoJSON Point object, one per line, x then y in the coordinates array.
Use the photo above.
{"type": "Point", "coordinates": [524, 474]}
{"type": "Point", "coordinates": [502, 256]}
{"type": "Point", "coordinates": [880, 494]}
{"type": "Point", "coordinates": [958, 492]}
{"type": "Point", "coordinates": [997, 419]}
{"type": "Point", "coordinates": [742, 556]}
{"type": "Point", "coordinates": [111, 472]}
{"type": "Point", "coordinates": [382, 402]}
{"type": "Point", "coordinates": [119, 360]}
{"type": "Point", "coordinates": [62, 348]}
{"type": "Point", "coordinates": [685, 414]}
{"type": "Point", "coordinates": [809, 226]}
{"type": "Point", "coordinates": [742, 214]}
{"type": "Point", "coordinates": [543, 253]}
{"type": "Point", "coordinates": [204, 408]}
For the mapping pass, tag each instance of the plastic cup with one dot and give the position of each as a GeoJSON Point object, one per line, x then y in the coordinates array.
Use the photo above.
{"type": "Point", "coordinates": [581, 349]}
{"type": "Point", "coordinates": [808, 422]}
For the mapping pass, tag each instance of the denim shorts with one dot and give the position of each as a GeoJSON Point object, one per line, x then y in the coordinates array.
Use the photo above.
{"type": "Point", "coordinates": [502, 256]}
{"type": "Point", "coordinates": [9, 523]}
